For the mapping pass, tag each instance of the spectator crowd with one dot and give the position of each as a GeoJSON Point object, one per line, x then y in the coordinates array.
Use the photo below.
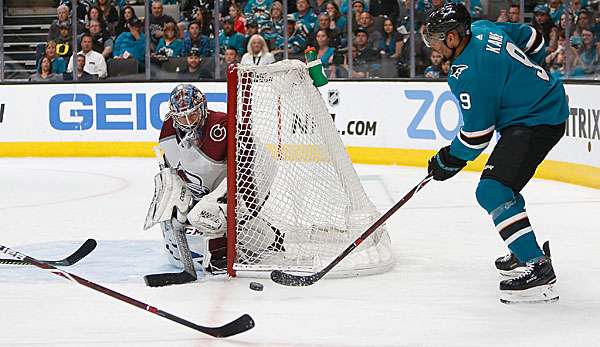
{"type": "Point", "coordinates": [187, 44]}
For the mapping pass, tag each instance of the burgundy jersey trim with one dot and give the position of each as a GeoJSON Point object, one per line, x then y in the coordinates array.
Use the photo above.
{"type": "Point", "coordinates": [167, 130]}
{"type": "Point", "coordinates": [214, 142]}
{"type": "Point", "coordinates": [214, 135]}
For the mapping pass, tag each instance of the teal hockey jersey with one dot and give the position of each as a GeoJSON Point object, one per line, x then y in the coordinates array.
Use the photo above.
{"type": "Point", "coordinates": [498, 85]}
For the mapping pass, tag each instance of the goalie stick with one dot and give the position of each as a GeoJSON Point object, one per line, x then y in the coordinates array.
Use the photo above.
{"type": "Point", "coordinates": [287, 279]}
{"type": "Point", "coordinates": [241, 324]}
{"type": "Point", "coordinates": [86, 248]}
{"type": "Point", "coordinates": [189, 272]}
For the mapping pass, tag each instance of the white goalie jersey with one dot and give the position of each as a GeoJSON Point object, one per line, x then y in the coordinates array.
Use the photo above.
{"type": "Point", "coordinates": [187, 190]}
{"type": "Point", "coordinates": [202, 166]}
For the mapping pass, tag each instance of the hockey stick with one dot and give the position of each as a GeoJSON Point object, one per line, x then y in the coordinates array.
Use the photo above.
{"type": "Point", "coordinates": [237, 326]}
{"type": "Point", "coordinates": [189, 272]}
{"type": "Point", "coordinates": [287, 279]}
{"type": "Point", "coordinates": [169, 278]}
{"type": "Point", "coordinates": [86, 248]}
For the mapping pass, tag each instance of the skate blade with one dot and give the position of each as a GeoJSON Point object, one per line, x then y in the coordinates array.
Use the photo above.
{"type": "Point", "coordinates": [536, 295]}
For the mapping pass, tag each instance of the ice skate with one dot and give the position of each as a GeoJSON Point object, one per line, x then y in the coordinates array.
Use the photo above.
{"type": "Point", "coordinates": [510, 266]}
{"type": "Point", "coordinates": [535, 285]}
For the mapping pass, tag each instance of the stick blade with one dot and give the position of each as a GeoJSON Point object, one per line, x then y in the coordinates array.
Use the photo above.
{"type": "Point", "coordinates": [240, 325]}
{"type": "Point", "coordinates": [167, 279]}
{"type": "Point", "coordinates": [286, 279]}
{"type": "Point", "coordinates": [88, 246]}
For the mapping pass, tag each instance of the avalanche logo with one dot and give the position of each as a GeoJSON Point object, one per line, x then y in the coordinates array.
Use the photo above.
{"type": "Point", "coordinates": [197, 188]}
{"type": "Point", "coordinates": [217, 133]}
{"type": "Point", "coordinates": [456, 70]}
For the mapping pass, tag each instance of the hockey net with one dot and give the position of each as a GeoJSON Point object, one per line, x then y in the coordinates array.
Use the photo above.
{"type": "Point", "coordinates": [294, 199]}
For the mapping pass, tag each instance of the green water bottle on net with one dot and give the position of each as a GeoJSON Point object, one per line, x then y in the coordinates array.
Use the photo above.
{"type": "Point", "coordinates": [315, 68]}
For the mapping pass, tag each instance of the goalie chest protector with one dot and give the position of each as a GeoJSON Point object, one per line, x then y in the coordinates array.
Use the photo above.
{"type": "Point", "coordinates": [202, 165]}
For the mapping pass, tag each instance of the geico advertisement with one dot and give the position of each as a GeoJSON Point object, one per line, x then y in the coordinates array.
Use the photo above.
{"type": "Point", "coordinates": [374, 114]}
{"type": "Point", "coordinates": [419, 115]}
{"type": "Point", "coordinates": [92, 112]}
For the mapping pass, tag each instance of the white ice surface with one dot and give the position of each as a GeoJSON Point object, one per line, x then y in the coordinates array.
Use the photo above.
{"type": "Point", "coordinates": [442, 291]}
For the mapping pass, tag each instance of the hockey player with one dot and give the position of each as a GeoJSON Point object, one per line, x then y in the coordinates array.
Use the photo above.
{"type": "Point", "coordinates": [500, 88]}
{"type": "Point", "coordinates": [193, 148]}
{"type": "Point", "coordinates": [189, 198]}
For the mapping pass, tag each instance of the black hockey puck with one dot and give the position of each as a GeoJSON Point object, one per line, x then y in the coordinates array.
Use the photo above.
{"type": "Point", "coordinates": [256, 286]}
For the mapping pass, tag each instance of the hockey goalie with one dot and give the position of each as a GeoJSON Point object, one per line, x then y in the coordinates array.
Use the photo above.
{"type": "Point", "coordinates": [189, 200]}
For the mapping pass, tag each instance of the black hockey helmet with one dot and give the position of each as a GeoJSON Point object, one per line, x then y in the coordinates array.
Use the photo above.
{"type": "Point", "coordinates": [451, 16]}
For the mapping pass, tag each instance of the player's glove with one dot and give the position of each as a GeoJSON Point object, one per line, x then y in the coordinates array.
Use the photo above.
{"type": "Point", "coordinates": [443, 165]}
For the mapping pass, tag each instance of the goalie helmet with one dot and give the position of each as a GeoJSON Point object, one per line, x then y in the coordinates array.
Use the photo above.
{"type": "Point", "coordinates": [187, 107]}
{"type": "Point", "coordinates": [451, 16]}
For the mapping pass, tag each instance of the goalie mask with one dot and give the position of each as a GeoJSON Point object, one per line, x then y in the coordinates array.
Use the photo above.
{"type": "Point", "coordinates": [187, 107]}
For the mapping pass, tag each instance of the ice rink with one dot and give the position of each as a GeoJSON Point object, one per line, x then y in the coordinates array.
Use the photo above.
{"type": "Point", "coordinates": [443, 290]}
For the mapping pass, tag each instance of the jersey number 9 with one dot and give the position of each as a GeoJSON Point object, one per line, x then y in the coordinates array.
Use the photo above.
{"type": "Point", "coordinates": [465, 100]}
{"type": "Point", "coordinates": [518, 54]}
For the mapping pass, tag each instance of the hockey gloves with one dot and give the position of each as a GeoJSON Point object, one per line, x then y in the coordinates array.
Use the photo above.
{"type": "Point", "coordinates": [443, 165]}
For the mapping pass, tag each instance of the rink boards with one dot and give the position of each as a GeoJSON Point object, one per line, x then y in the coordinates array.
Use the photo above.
{"type": "Point", "coordinates": [380, 122]}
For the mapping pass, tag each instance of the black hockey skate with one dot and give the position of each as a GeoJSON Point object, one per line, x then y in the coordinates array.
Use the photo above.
{"type": "Point", "coordinates": [534, 285]}
{"type": "Point", "coordinates": [510, 266]}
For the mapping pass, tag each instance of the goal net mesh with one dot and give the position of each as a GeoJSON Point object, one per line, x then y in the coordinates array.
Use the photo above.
{"type": "Point", "coordinates": [299, 201]}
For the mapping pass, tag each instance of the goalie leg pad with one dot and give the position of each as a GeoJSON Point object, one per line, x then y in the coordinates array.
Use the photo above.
{"type": "Point", "coordinates": [258, 238]}
{"type": "Point", "coordinates": [205, 250]}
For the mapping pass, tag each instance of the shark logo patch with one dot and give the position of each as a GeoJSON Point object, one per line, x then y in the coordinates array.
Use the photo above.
{"type": "Point", "coordinates": [456, 70]}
